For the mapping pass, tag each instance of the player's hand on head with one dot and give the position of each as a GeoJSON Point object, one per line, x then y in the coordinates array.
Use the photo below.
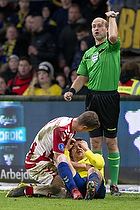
{"type": "Point", "coordinates": [84, 145]}
{"type": "Point", "coordinates": [70, 144]}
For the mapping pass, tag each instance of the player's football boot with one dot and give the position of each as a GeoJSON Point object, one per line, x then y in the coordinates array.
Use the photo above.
{"type": "Point", "coordinates": [76, 194]}
{"type": "Point", "coordinates": [114, 190]}
{"type": "Point", "coordinates": [91, 188]}
{"type": "Point", "coordinates": [53, 191]}
{"type": "Point", "coordinates": [18, 191]}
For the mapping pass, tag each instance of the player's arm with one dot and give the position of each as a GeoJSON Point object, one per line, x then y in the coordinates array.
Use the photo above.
{"type": "Point", "coordinates": [113, 29]}
{"type": "Point", "coordinates": [76, 86]}
{"type": "Point", "coordinates": [56, 155]}
{"type": "Point", "coordinates": [96, 160]}
{"type": "Point", "coordinates": [68, 146]}
{"type": "Point", "coordinates": [77, 165]}
{"type": "Point", "coordinates": [58, 142]}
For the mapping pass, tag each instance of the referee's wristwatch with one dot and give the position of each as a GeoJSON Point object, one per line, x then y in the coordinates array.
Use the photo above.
{"type": "Point", "coordinates": [112, 15]}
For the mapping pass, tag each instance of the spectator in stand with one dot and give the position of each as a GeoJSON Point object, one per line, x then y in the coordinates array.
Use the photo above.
{"type": "Point", "coordinates": [129, 83]}
{"type": "Point", "coordinates": [18, 18]}
{"type": "Point", "coordinates": [60, 17]}
{"type": "Point", "coordinates": [46, 13]}
{"type": "Point", "coordinates": [85, 44]}
{"type": "Point", "coordinates": [68, 40]}
{"type": "Point", "coordinates": [42, 83]}
{"type": "Point", "coordinates": [42, 46]}
{"type": "Point", "coordinates": [7, 9]}
{"type": "Point", "coordinates": [62, 80]}
{"type": "Point", "coordinates": [23, 77]}
{"type": "Point", "coordinates": [93, 9]}
{"type": "Point", "coordinates": [82, 30]}
{"type": "Point", "coordinates": [24, 38]}
{"type": "Point", "coordinates": [66, 71]}
{"type": "Point", "coordinates": [35, 5]}
{"type": "Point", "coordinates": [4, 88]}
{"type": "Point", "coordinates": [3, 26]}
{"type": "Point", "coordinates": [28, 24]}
{"type": "Point", "coordinates": [10, 43]}
{"type": "Point", "coordinates": [9, 70]}
{"type": "Point", "coordinates": [72, 76]}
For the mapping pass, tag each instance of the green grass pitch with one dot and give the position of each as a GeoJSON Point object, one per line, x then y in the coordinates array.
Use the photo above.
{"type": "Point", "coordinates": [125, 202]}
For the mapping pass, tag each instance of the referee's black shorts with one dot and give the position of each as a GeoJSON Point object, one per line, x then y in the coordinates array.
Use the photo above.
{"type": "Point", "coordinates": [107, 105]}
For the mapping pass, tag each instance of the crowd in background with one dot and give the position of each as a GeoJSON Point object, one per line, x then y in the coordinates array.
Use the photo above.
{"type": "Point", "coordinates": [55, 33]}
{"type": "Point", "coordinates": [42, 44]}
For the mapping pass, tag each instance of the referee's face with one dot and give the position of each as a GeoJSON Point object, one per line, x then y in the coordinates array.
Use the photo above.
{"type": "Point", "coordinates": [99, 30]}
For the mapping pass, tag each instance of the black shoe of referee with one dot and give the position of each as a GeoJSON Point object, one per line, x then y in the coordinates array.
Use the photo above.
{"type": "Point", "coordinates": [114, 190]}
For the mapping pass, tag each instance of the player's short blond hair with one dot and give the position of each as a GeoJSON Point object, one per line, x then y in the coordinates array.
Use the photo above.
{"type": "Point", "coordinates": [89, 119]}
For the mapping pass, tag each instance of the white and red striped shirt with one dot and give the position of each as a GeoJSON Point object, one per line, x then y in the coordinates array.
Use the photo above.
{"type": "Point", "coordinates": [50, 139]}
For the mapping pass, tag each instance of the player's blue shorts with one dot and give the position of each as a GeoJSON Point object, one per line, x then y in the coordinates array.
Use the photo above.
{"type": "Point", "coordinates": [82, 186]}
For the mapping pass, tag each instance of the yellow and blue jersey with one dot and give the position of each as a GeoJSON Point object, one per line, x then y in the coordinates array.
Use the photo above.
{"type": "Point", "coordinates": [95, 160]}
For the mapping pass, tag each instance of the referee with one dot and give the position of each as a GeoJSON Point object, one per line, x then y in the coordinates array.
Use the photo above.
{"type": "Point", "coordinates": [100, 66]}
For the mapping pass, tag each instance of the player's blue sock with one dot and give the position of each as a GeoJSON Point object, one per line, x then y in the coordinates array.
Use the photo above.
{"type": "Point", "coordinates": [67, 177]}
{"type": "Point", "coordinates": [95, 178]}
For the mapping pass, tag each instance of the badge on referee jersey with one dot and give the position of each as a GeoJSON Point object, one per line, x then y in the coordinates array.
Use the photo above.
{"type": "Point", "coordinates": [95, 57]}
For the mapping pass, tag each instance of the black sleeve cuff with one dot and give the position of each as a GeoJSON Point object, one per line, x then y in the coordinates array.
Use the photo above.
{"type": "Point", "coordinates": [72, 90]}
